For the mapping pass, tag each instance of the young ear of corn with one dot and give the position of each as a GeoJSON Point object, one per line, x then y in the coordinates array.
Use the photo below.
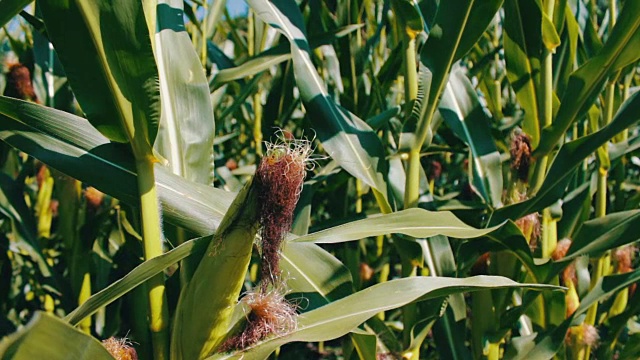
{"type": "Point", "coordinates": [206, 304]}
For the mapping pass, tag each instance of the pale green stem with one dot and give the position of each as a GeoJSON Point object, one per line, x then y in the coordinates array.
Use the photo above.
{"type": "Point", "coordinates": [601, 194]}
{"type": "Point", "coordinates": [257, 97]}
{"type": "Point", "coordinates": [68, 225]}
{"type": "Point", "coordinates": [194, 30]}
{"type": "Point", "coordinates": [549, 237]}
{"type": "Point", "coordinates": [152, 244]}
{"type": "Point", "coordinates": [540, 169]}
{"type": "Point", "coordinates": [412, 186]}
{"type": "Point", "coordinates": [203, 48]}
{"type": "Point", "coordinates": [251, 34]}
{"type": "Point", "coordinates": [85, 293]}
{"type": "Point", "coordinates": [625, 95]}
{"type": "Point", "coordinates": [257, 122]}
{"type": "Point", "coordinates": [539, 172]}
{"type": "Point", "coordinates": [601, 211]}
{"type": "Point", "coordinates": [549, 234]}
{"type": "Point", "coordinates": [411, 73]}
{"type": "Point", "coordinates": [497, 95]}
{"type": "Point", "coordinates": [411, 196]}
{"type": "Point", "coordinates": [384, 272]}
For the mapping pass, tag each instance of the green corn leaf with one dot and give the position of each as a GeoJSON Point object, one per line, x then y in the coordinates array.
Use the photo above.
{"type": "Point", "coordinates": [340, 317]}
{"type": "Point", "coordinates": [135, 277]}
{"type": "Point", "coordinates": [523, 55]}
{"type": "Point", "coordinates": [315, 274]}
{"type": "Point", "coordinates": [609, 232]}
{"type": "Point", "coordinates": [106, 51]}
{"type": "Point", "coordinates": [310, 269]}
{"type": "Point", "coordinates": [585, 84]}
{"type": "Point", "coordinates": [347, 139]}
{"type": "Point", "coordinates": [48, 337]}
{"type": "Point", "coordinates": [417, 223]}
{"type": "Point", "coordinates": [185, 136]}
{"type": "Point", "coordinates": [463, 113]}
{"type": "Point", "coordinates": [569, 157]}
{"type": "Point", "coordinates": [71, 145]}
{"type": "Point", "coordinates": [546, 345]}
{"type": "Point", "coordinates": [275, 56]}
{"type": "Point", "coordinates": [11, 8]}
{"type": "Point", "coordinates": [458, 25]}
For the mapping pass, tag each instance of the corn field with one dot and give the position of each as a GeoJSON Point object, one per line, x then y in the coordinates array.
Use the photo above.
{"type": "Point", "coordinates": [342, 179]}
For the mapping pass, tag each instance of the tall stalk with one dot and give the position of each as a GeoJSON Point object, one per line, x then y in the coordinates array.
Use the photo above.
{"type": "Point", "coordinates": [204, 32]}
{"type": "Point", "coordinates": [549, 235]}
{"type": "Point", "coordinates": [412, 193]}
{"type": "Point", "coordinates": [604, 261]}
{"type": "Point", "coordinates": [254, 45]}
{"type": "Point", "coordinates": [152, 244]}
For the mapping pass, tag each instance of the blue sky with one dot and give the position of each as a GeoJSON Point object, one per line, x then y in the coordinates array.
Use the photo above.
{"type": "Point", "coordinates": [236, 7]}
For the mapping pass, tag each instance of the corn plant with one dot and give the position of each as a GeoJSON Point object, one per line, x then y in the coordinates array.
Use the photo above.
{"type": "Point", "coordinates": [348, 179]}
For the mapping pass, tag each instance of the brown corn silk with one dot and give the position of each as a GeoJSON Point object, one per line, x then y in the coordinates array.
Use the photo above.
{"type": "Point", "coordinates": [270, 314]}
{"type": "Point", "coordinates": [279, 179]}
{"type": "Point", "coordinates": [19, 83]}
{"type": "Point", "coordinates": [521, 155]}
{"type": "Point", "coordinates": [280, 176]}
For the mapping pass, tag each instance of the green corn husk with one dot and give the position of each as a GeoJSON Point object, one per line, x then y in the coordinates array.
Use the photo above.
{"type": "Point", "coordinates": [206, 304]}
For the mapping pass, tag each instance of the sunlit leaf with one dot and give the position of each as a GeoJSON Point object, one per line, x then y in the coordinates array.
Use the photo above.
{"type": "Point", "coordinates": [586, 83]}
{"type": "Point", "coordinates": [340, 317]}
{"type": "Point", "coordinates": [106, 51]}
{"type": "Point", "coordinates": [185, 136]}
{"type": "Point", "coordinates": [347, 139]}
{"type": "Point", "coordinates": [569, 157]}
{"type": "Point", "coordinates": [46, 336]}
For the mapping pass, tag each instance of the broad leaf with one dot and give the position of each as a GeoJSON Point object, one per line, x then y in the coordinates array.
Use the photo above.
{"type": "Point", "coordinates": [464, 115]}
{"type": "Point", "coordinates": [340, 317]}
{"type": "Point", "coordinates": [458, 25]}
{"type": "Point", "coordinates": [586, 83]}
{"type": "Point", "coordinates": [315, 274]}
{"type": "Point", "coordinates": [347, 139]}
{"type": "Point", "coordinates": [135, 277]}
{"type": "Point", "coordinates": [106, 52]}
{"type": "Point", "coordinates": [609, 232]}
{"type": "Point", "coordinates": [546, 345]}
{"type": "Point", "coordinates": [311, 271]}
{"type": "Point", "coordinates": [523, 50]}
{"type": "Point", "coordinates": [569, 157]}
{"type": "Point", "coordinates": [272, 57]}
{"type": "Point", "coordinates": [417, 223]}
{"type": "Point", "coordinates": [47, 337]}
{"type": "Point", "coordinates": [185, 136]}
{"type": "Point", "coordinates": [71, 145]}
{"type": "Point", "coordinates": [11, 8]}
